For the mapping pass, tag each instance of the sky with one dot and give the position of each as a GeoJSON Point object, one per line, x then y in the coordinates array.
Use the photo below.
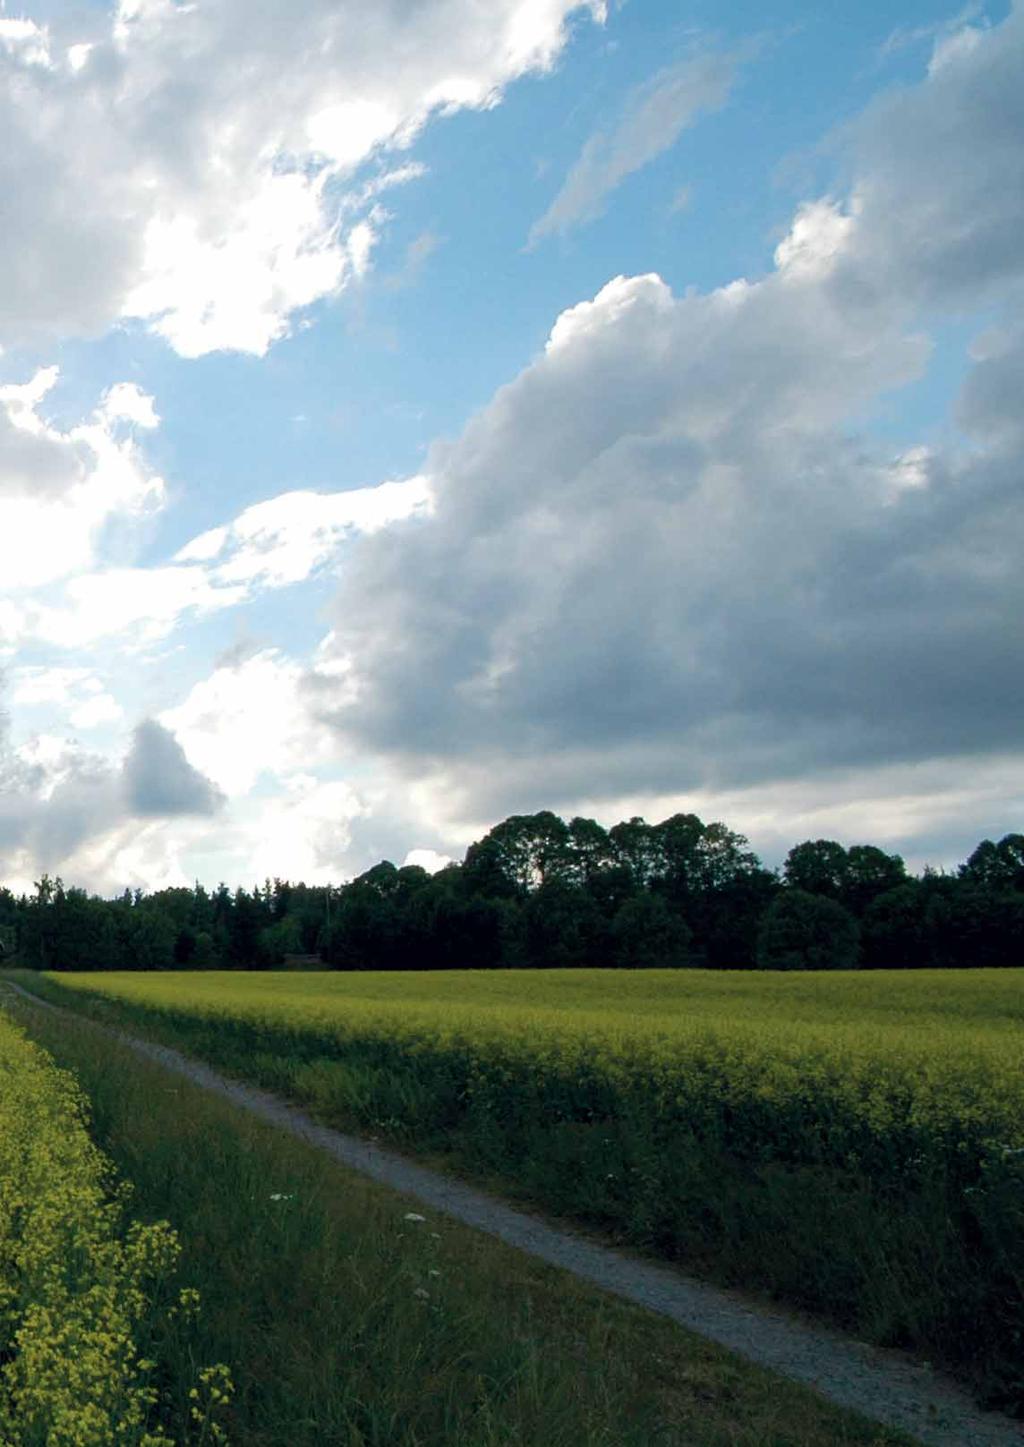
{"type": "Point", "coordinates": [420, 413]}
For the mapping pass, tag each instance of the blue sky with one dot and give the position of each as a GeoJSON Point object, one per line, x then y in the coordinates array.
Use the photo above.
{"type": "Point", "coordinates": [345, 274]}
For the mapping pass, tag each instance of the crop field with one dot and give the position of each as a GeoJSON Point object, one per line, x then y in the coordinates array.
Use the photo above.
{"type": "Point", "coordinates": [82, 1289]}
{"type": "Point", "coordinates": [348, 1317]}
{"type": "Point", "coordinates": [853, 1144]}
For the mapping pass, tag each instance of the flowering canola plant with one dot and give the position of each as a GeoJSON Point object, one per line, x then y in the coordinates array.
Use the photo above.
{"type": "Point", "coordinates": [78, 1288]}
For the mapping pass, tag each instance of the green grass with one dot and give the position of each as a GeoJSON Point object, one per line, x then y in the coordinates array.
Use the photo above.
{"type": "Point", "coordinates": [312, 1299]}
{"type": "Point", "coordinates": [852, 1143]}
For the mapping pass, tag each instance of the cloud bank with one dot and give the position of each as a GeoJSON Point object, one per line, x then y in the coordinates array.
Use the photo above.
{"type": "Point", "coordinates": [666, 557]}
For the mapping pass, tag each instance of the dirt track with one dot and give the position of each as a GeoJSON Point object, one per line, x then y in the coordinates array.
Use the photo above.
{"type": "Point", "coordinates": [878, 1384]}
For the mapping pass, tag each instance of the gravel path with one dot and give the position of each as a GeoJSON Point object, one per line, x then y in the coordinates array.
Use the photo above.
{"type": "Point", "coordinates": [878, 1384]}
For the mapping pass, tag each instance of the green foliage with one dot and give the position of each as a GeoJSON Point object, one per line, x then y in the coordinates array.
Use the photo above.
{"type": "Point", "coordinates": [802, 931]}
{"type": "Point", "coordinates": [997, 866]}
{"type": "Point", "coordinates": [898, 928]}
{"type": "Point", "coordinates": [818, 866]}
{"type": "Point", "coordinates": [646, 933]}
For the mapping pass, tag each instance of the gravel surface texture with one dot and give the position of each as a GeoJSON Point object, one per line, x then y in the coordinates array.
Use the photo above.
{"type": "Point", "coordinates": [881, 1385]}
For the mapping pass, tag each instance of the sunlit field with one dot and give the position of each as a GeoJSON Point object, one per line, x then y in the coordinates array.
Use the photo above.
{"type": "Point", "coordinates": [852, 1143]}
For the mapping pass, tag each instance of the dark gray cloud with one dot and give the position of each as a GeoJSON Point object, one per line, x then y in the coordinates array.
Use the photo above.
{"type": "Point", "coordinates": [159, 780]}
{"type": "Point", "coordinates": [663, 558]}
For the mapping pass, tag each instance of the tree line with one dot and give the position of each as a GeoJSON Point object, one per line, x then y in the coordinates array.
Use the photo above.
{"type": "Point", "coordinates": [539, 892]}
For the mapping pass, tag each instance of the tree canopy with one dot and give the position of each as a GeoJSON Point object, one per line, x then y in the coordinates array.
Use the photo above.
{"type": "Point", "coordinates": [536, 891]}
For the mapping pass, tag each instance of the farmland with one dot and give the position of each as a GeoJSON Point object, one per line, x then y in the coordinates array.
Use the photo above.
{"type": "Point", "coordinates": [853, 1144]}
{"type": "Point", "coordinates": [348, 1317]}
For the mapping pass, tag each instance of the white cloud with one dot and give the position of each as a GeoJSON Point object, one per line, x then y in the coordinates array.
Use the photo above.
{"type": "Point", "coordinates": [24, 41]}
{"type": "Point", "coordinates": [247, 719]}
{"type": "Point", "coordinates": [653, 120]}
{"type": "Point", "coordinates": [101, 709]}
{"type": "Point", "coordinates": [815, 240]}
{"type": "Point", "coordinates": [145, 602]}
{"type": "Point", "coordinates": [285, 539]}
{"type": "Point", "coordinates": [272, 544]}
{"type": "Point", "coordinates": [59, 490]}
{"type": "Point", "coordinates": [204, 547]}
{"type": "Point", "coordinates": [76, 692]}
{"type": "Point", "coordinates": [304, 834]}
{"type": "Point", "coordinates": [428, 859]}
{"type": "Point", "coordinates": [194, 166]}
{"type": "Point", "coordinates": [126, 401]}
{"type": "Point", "coordinates": [40, 685]}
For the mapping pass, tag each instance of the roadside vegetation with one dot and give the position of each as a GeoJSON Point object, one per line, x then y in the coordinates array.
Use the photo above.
{"type": "Point", "coordinates": [351, 1318]}
{"type": "Point", "coordinates": [95, 1337]}
{"type": "Point", "coordinates": [852, 1144]}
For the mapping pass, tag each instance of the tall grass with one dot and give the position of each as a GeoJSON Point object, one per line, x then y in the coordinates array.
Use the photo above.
{"type": "Point", "coordinates": [854, 1145]}
{"type": "Point", "coordinates": [350, 1323]}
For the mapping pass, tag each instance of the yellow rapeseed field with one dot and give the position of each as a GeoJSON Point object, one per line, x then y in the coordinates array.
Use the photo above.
{"type": "Point", "coordinates": [850, 1141]}
{"type": "Point", "coordinates": [932, 1054]}
{"type": "Point", "coordinates": [77, 1285]}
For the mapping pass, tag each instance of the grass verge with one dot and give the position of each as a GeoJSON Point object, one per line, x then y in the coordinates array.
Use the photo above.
{"type": "Point", "coordinates": [347, 1323]}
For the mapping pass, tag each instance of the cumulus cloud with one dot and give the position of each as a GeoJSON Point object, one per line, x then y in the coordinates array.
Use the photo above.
{"type": "Point", "coordinates": [665, 558]}
{"type": "Point", "coordinates": [653, 120]}
{"type": "Point", "coordinates": [160, 781]}
{"type": "Point", "coordinates": [194, 166]}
